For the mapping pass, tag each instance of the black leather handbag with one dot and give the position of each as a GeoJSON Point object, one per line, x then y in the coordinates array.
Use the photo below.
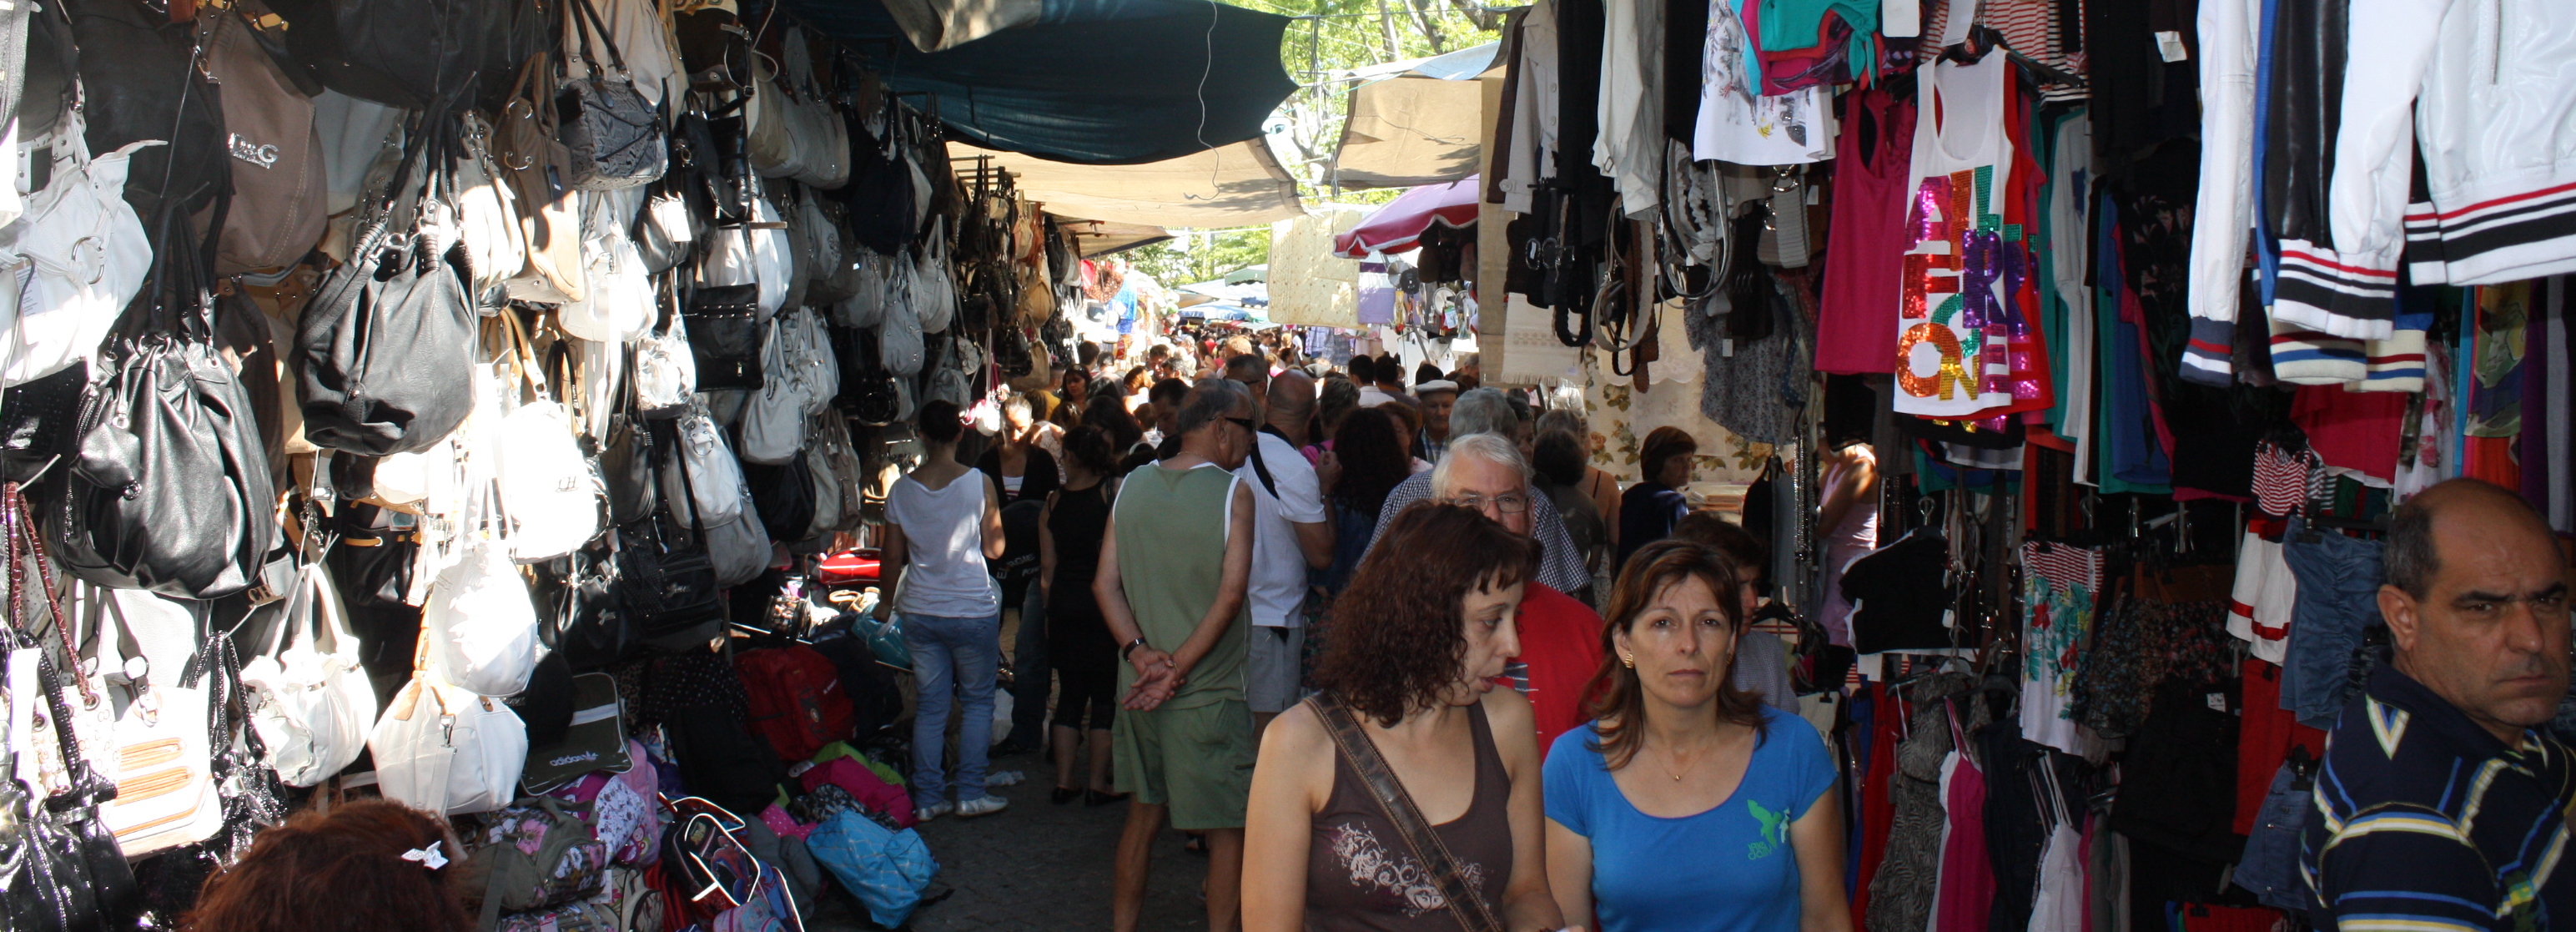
{"type": "Point", "coordinates": [616, 136]}
{"type": "Point", "coordinates": [726, 334]}
{"type": "Point", "coordinates": [169, 488]}
{"type": "Point", "coordinates": [67, 874]}
{"type": "Point", "coordinates": [582, 617]}
{"type": "Point", "coordinates": [666, 585]}
{"type": "Point", "coordinates": [381, 347]}
{"type": "Point", "coordinates": [783, 496]}
{"type": "Point", "coordinates": [626, 469]}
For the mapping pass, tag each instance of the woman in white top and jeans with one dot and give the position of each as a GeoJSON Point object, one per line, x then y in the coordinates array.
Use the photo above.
{"type": "Point", "coordinates": [945, 520]}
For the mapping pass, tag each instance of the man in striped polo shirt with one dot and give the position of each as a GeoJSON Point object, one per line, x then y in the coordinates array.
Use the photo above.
{"type": "Point", "coordinates": [2443, 803]}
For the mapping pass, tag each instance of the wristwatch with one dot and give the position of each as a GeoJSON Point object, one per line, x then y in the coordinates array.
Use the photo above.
{"type": "Point", "coordinates": [1130, 647]}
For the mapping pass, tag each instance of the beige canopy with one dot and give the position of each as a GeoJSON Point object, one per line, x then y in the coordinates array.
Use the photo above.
{"type": "Point", "coordinates": [1228, 186]}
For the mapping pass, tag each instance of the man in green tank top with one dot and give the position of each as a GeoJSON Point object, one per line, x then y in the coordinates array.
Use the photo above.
{"type": "Point", "coordinates": [1173, 574]}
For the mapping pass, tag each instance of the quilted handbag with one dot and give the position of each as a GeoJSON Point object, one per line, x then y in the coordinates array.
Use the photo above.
{"type": "Point", "coordinates": [309, 698]}
{"type": "Point", "coordinates": [615, 135]}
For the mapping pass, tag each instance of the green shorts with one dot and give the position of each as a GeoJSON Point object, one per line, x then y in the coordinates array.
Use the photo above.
{"type": "Point", "coordinates": [1198, 761]}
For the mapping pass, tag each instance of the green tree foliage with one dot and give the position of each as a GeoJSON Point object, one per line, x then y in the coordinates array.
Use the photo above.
{"type": "Point", "coordinates": [1332, 38]}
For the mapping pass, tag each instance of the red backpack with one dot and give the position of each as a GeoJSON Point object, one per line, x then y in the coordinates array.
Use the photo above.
{"type": "Point", "coordinates": [796, 700]}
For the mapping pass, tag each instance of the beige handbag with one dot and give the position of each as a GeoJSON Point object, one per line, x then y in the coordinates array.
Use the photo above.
{"type": "Point", "coordinates": [540, 173]}
{"type": "Point", "coordinates": [487, 210]}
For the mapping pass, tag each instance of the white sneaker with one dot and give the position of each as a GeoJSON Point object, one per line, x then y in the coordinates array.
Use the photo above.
{"type": "Point", "coordinates": [982, 805]}
{"type": "Point", "coordinates": [1004, 778]}
{"type": "Point", "coordinates": [933, 811]}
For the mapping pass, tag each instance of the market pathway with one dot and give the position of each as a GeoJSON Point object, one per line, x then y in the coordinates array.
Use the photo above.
{"type": "Point", "coordinates": [1039, 866]}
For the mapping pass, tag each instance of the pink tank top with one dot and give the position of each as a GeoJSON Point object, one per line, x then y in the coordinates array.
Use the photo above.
{"type": "Point", "coordinates": [1856, 325]}
{"type": "Point", "coordinates": [1967, 878]}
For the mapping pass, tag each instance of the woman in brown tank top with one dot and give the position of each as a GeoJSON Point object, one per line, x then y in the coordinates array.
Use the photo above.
{"type": "Point", "coordinates": [1416, 644]}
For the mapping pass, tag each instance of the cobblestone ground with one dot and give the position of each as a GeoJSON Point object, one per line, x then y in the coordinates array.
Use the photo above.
{"type": "Point", "coordinates": [1037, 865]}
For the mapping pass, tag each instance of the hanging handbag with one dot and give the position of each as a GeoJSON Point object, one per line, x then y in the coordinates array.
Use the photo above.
{"type": "Point", "coordinates": [540, 173]}
{"type": "Point", "coordinates": [626, 468]}
{"type": "Point", "coordinates": [310, 699]}
{"type": "Point", "coordinates": [170, 488]}
{"type": "Point", "coordinates": [726, 331]}
{"type": "Point", "coordinates": [835, 470]}
{"type": "Point", "coordinates": [620, 303]}
{"type": "Point", "coordinates": [865, 307]}
{"type": "Point", "coordinates": [614, 135]}
{"type": "Point", "coordinates": [487, 210]}
{"type": "Point", "coordinates": [666, 366]}
{"type": "Point", "coordinates": [782, 497]}
{"type": "Point", "coordinates": [713, 486]}
{"type": "Point", "coordinates": [409, 54]}
{"type": "Point", "coordinates": [548, 492]}
{"type": "Point", "coordinates": [279, 187]}
{"type": "Point", "coordinates": [89, 254]}
{"type": "Point", "coordinates": [445, 750]}
{"type": "Point", "coordinates": [1457, 894]}
{"type": "Point", "coordinates": [162, 760]}
{"type": "Point", "coordinates": [900, 348]}
{"type": "Point", "coordinates": [934, 293]}
{"type": "Point", "coordinates": [666, 230]}
{"type": "Point", "coordinates": [584, 618]}
{"type": "Point", "coordinates": [67, 871]}
{"type": "Point", "coordinates": [480, 625]}
{"type": "Point", "coordinates": [666, 588]}
{"type": "Point", "coordinates": [773, 424]}
{"type": "Point", "coordinates": [383, 347]}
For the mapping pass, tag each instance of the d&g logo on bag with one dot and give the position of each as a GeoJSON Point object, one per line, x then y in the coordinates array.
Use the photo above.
{"type": "Point", "coordinates": [263, 156]}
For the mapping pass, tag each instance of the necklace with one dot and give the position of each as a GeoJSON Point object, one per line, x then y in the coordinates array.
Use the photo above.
{"type": "Point", "coordinates": [1686, 768]}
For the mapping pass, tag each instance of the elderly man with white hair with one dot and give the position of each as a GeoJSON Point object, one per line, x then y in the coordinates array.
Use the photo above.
{"type": "Point", "coordinates": [1560, 636]}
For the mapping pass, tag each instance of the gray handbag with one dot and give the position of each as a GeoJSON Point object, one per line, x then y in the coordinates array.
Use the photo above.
{"type": "Point", "coordinates": [616, 136]}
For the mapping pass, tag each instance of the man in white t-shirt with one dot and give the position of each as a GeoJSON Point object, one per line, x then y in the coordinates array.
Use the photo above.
{"type": "Point", "coordinates": [1292, 531]}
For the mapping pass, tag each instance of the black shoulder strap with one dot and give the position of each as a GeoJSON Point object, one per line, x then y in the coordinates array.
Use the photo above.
{"type": "Point", "coordinates": [1464, 903]}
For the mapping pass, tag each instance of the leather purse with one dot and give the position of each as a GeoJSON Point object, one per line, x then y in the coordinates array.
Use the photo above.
{"type": "Point", "coordinates": [614, 136]}
{"type": "Point", "coordinates": [540, 173]}
{"type": "Point", "coordinates": [726, 333]}
{"type": "Point", "coordinates": [381, 347]}
{"type": "Point", "coordinates": [1462, 900]}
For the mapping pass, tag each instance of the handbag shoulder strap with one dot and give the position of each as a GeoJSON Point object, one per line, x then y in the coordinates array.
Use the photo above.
{"type": "Point", "coordinates": [1464, 903]}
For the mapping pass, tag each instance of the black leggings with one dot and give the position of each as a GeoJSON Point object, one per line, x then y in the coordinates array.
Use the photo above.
{"type": "Point", "coordinates": [1095, 689]}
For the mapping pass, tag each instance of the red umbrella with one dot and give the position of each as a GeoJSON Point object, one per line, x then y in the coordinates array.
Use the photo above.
{"type": "Point", "coordinates": [1394, 227]}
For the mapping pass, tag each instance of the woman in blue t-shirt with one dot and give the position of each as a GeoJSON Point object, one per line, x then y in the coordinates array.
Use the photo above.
{"type": "Point", "coordinates": [1688, 804]}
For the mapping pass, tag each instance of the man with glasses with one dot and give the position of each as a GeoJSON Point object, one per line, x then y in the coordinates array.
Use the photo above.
{"type": "Point", "coordinates": [1175, 562]}
{"type": "Point", "coordinates": [1560, 636]}
{"type": "Point", "coordinates": [1489, 411]}
{"type": "Point", "coordinates": [1292, 533]}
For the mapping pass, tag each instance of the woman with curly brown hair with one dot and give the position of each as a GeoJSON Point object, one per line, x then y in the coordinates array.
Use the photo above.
{"type": "Point", "coordinates": [369, 866]}
{"type": "Point", "coordinates": [1687, 803]}
{"type": "Point", "coordinates": [1419, 637]}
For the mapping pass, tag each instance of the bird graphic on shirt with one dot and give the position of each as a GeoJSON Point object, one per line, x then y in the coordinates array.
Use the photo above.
{"type": "Point", "coordinates": [1774, 832]}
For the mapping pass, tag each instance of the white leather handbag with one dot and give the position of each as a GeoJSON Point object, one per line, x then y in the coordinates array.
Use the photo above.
{"type": "Point", "coordinates": [443, 749]}
{"type": "Point", "coordinates": [487, 211]}
{"type": "Point", "coordinates": [620, 304]}
{"type": "Point", "coordinates": [820, 366]}
{"type": "Point", "coordinates": [739, 548]}
{"type": "Point", "coordinates": [866, 305]}
{"type": "Point", "coordinates": [479, 625]}
{"type": "Point", "coordinates": [547, 487]}
{"type": "Point", "coordinates": [773, 424]}
{"type": "Point", "coordinates": [934, 293]}
{"type": "Point", "coordinates": [773, 256]}
{"type": "Point", "coordinates": [714, 481]}
{"type": "Point", "coordinates": [309, 698]}
{"type": "Point", "coordinates": [666, 370]}
{"type": "Point", "coordinates": [899, 344]}
{"type": "Point", "coordinates": [163, 756]}
{"type": "Point", "coordinates": [87, 253]}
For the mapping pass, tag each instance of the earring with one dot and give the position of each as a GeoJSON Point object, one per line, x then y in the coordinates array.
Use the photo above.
{"type": "Point", "coordinates": [1628, 660]}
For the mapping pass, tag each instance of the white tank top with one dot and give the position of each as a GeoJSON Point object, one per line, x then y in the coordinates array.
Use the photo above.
{"type": "Point", "coordinates": [1951, 329]}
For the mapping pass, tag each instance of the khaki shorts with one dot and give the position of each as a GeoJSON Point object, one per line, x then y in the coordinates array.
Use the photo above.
{"type": "Point", "coordinates": [1198, 761]}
